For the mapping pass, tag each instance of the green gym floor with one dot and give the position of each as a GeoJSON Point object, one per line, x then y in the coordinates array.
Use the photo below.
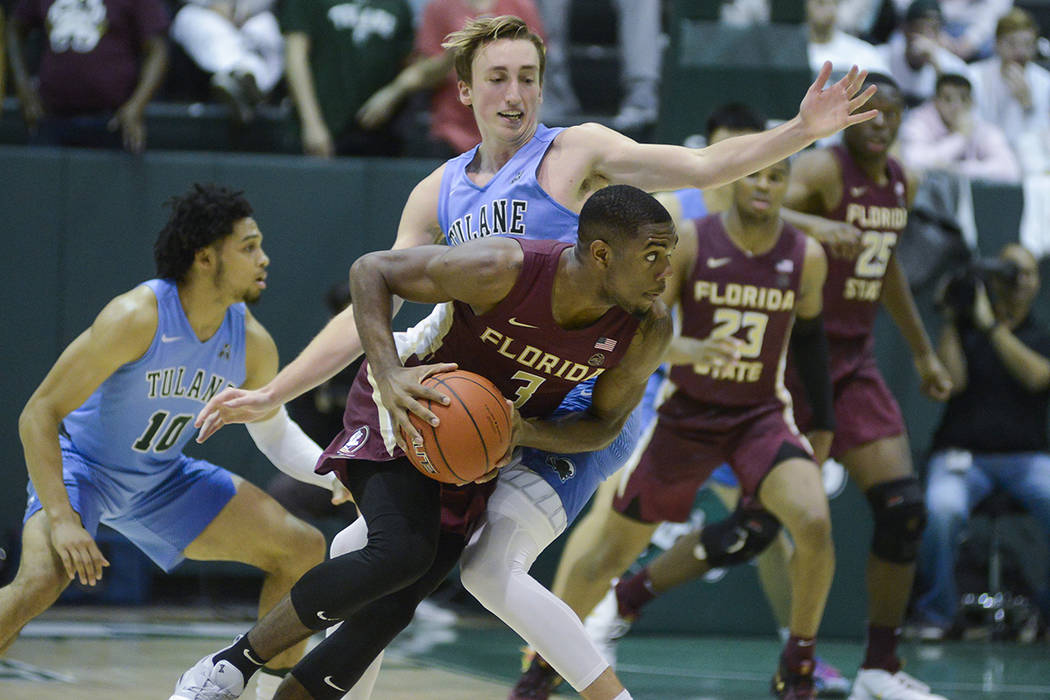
{"type": "Point", "coordinates": [136, 654]}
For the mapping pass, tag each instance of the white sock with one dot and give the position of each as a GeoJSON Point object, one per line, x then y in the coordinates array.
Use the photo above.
{"type": "Point", "coordinates": [624, 695]}
{"type": "Point", "coordinates": [266, 685]}
{"type": "Point", "coordinates": [784, 633]}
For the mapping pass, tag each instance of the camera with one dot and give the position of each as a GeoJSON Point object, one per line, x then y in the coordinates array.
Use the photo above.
{"type": "Point", "coordinates": [960, 286]}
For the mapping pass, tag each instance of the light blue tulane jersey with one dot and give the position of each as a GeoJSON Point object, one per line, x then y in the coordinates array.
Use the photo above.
{"type": "Point", "coordinates": [512, 203]}
{"type": "Point", "coordinates": [139, 419]}
{"type": "Point", "coordinates": [574, 477]}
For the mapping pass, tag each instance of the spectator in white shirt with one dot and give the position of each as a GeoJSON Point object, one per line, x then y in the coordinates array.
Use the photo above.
{"type": "Point", "coordinates": [1010, 90]}
{"type": "Point", "coordinates": [946, 134]}
{"type": "Point", "coordinates": [828, 43]}
{"type": "Point", "coordinates": [917, 54]}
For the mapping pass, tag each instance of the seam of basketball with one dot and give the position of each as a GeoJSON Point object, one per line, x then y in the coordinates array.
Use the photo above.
{"type": "Point", "coordinates": [499, 398]}
{"type": "Point", "coordinates": [481, 437]}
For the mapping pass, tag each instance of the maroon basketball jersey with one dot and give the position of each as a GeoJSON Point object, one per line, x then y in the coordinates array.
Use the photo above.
{"type": "Point", "coordinates": [750, 297]}
{"type": "Point", "coordinates": [517, 345]}
{"type": "Point", "coordinates": [854, 286]}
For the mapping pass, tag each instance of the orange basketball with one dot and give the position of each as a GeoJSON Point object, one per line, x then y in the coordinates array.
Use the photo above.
{"type": "Point", "coordinates": [474, 431]}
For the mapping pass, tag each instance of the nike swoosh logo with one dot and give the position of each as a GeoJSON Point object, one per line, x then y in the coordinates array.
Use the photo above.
{"type": "Point", "coordinates": [515, 322]}
{"type": "Point", "coordinates": [322, 615]}
{"type": "Point", "coordinates": [717, 262]}
{"type": "Point", "coordinates": [169, 338]}
{"type": "Point", "coordinates": [858, 191]}
{"type": "Point", "coordinates": [328, 681]}
{"type": "Point", "coordinates": [248, 655]}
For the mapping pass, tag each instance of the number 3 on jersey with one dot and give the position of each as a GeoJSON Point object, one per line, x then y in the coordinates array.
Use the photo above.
{"type": "Point", "coordinates": [169, 437]}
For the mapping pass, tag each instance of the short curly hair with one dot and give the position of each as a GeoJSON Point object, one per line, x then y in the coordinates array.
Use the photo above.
{"type": "Point", "coordinates": [198, 219]}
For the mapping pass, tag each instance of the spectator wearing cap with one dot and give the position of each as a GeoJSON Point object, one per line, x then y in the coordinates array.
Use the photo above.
{"type": "Point", "coordinates": [946, 134]}
{"type": "Point", "coordinates": [917, 55]}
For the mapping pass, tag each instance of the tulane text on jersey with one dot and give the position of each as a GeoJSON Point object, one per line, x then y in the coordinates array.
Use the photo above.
{"type": "Point", "coordinates": [501, 216]}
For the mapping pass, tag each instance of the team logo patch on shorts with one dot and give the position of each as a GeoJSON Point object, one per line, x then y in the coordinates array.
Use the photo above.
{"type": "Point", "coordinates": [564, 467]}
{"type": "Point", "coordinates": [354, 442]}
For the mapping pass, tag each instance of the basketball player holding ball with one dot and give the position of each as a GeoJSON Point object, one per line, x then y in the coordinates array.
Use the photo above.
{"type": "Point", "coordinates": [529, 181]}
{"type": "Point", "coordinates": [535, 317]}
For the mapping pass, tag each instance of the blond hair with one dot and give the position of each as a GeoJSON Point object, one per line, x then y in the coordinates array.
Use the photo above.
{"type": "Point", "coordinates": [480, 31]}
{"type": "Point", "coordinates": [1014, 21]}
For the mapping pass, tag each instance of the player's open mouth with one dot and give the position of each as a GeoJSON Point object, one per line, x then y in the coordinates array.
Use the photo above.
{"type": "Point", "coordinates": [513, 116]}
{"type": "Point", "coordinates": [761, 204]}
{"type": "Point", "coordinates": [261, 282]}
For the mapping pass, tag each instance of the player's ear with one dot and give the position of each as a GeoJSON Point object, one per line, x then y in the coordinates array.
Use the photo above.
{"type": "Point", "coordinates": [206, 256]}
{"type": "Point", "coordinates": [600, 252]}
{"type": "Point", "coordinates": [464, 93]}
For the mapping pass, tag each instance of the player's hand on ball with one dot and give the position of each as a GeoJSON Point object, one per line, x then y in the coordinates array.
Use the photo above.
{"type": "Point", "coordinates": [401, 390]}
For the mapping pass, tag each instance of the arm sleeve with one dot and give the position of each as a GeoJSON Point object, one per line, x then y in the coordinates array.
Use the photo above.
{"type": "Point", "coordinates": [809, 347]}
{"type": "Point", "coordinates": [290, 449]}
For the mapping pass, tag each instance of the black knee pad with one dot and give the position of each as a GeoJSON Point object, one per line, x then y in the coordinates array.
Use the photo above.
{"type": "Point", "coordinates": [899, 510]}
{"type": "Point", "coordinates": [738, 538]}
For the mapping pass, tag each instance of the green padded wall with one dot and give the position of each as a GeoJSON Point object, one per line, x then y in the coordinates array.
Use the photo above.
{"type": "Point", "coordinates": [708, 64]}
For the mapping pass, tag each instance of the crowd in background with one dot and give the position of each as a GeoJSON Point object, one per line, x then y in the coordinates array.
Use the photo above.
{"type": "Point", "coordinates": [361, 75]}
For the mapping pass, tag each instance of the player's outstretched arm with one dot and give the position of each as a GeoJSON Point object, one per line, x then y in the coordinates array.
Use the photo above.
{"type": "Point", "coordinates": [276, 435]}
{"type": "Point", "coordinates": [825, 110]}
{"type": "Point", "coordinates": [335, 347]}
{"type": "Point", "coordinates": [616, 392]}
{"type": "Point", "coordinates": [480, 274]}
{"type": "Point", "coordinates": [121, 333]}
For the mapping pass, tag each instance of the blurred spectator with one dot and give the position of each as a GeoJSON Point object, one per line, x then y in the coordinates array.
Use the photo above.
{"type": "Point", "coordinates": [829, 43]}
{"type": "Point", "coordinates": [237, 42]}
{"type": "Point", "coordinates": [856, 17]}
{"type": "Point", "coordinates": [452, 126]}
{"type": "Point", "coordinates": [1009, 88]}
{"type": "Point", "coordinates": [319, 412]}
{"type": "Point", "coordinates": [638, 34]}
{"type": "Point", "coordinates": [993, 435]}
{"type": "Point", "coordinates": [743, 13]}
{"type": "Point", "coordinates": [971, 25]}
{"type": "Point", "coordinates": [101, 63]}
{"type": "Point", "coordinates": [946, 134]}
{"type": "Point", "coordinates": [339, 54]}
{"type": "Point", "coordinates": [916, 55]}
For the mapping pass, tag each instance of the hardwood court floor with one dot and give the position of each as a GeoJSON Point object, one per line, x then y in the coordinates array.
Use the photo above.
{"type": "Point", "coordinates": [91, 654]}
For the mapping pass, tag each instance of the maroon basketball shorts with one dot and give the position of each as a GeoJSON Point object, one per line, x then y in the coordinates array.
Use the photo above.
{"type": "Point", "coordinates": [675, 458]}
{"type": "Point", "coordinates": [865, 410]}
